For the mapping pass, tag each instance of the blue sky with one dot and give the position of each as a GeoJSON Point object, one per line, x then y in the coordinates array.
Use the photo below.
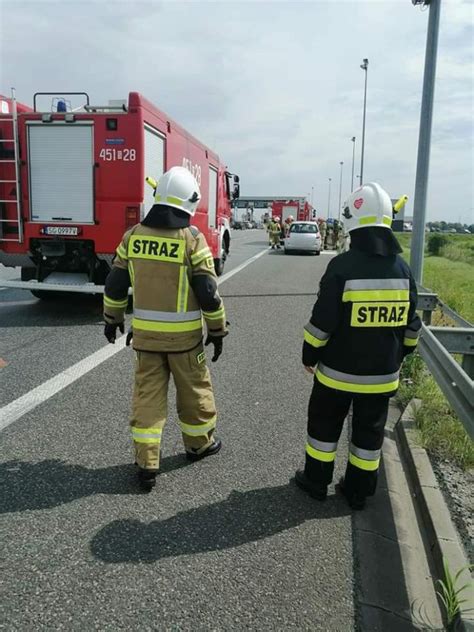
{"type": "Point", "coordinates": [274, 87]}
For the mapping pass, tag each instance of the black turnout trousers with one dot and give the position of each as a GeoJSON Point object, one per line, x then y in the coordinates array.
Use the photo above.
{"type": "Point", "coordinates": [326, 413]}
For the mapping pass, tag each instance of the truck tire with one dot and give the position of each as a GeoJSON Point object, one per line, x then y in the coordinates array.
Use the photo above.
{"type": "Point", "coordinates": [220, 263]}
{"type": "Point", "coordinates": [46, 295]}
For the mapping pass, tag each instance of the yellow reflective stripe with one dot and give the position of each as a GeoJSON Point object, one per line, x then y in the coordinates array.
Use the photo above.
{"type": "Point", "coordinates": [313, 341]}
{"type": "Point", "coordinates": [373, 219]}
{"type": "Point", "coordinates": [131, 272]}
{"type": "Point", "coordinates": [146, 435]}
{"type": "Point", "coordinates": [368, 219]}
{"type": "Point", "coordinates": [167, 327]}
{"type": "Point", "coordinates": [170, 199]}
{"type": "Point", "coordinates": [149, 440]}
{"type": "Point", "coordinates": [351, 387]}
{"type": "Point", "coordinates": [362, 464]}
{"type": "Point", "coordinates": [122, 253]}
{"type": "Point", "coordinates": [201, 255]}
{"type": "Point", "coordinates": [327, 457]}
{"type": "Point", "coordinates": [217, 315]}
{"type": "Point", "coordinates": [183, 290]}
{"type": "Point", "coordinates": [410, 342]}
{"type": "Point", "coordinates": [375, 295]}
{"type": "Point", "coordinates": [110, 302]}
{"type": "Point", "coordinates": [195, 430]}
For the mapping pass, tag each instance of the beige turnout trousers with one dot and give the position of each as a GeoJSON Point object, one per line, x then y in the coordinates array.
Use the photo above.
{"type": "Point", "coordinates": [195, 402]}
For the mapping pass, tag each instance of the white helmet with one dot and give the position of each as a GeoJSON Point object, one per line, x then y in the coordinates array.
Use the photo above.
{"type": "Point", "coordinates": [178, 188]}
{"type": "Point", "coordinates": [276, 219]}
{"type": "Point", "coordinates": [367, 207]}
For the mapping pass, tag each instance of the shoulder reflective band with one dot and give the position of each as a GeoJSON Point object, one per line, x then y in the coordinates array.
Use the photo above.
{"type": "Point", "coordinates": [376, 290]}
{"type": "Point", "coordinates": [109, 302]}
{"type": "Point", "coordinates": [156, 248]}
{"type": "Point", "coordinates": [321, 450]}
{"type": "Point", "coordinates": [357, 383]}
{"type": "Point", "coordinates": [199, 256]}
{"type": "Point", "coordinates": [314, 336]}
{"type": "Point", "coordinates": [217, 315]}
{"type": "Point", "coordinates": [411, 338]}
{"type": "Point", "coordinates": [122, 253]}
{"type": "Point", "coordinates": [196, 430]}
{"type": "Point", "coordinates": [146, 435]}
{"type": "Point", "coordinates": [367, 460]}
{"type": "Point", "coordinates": [380, 314]}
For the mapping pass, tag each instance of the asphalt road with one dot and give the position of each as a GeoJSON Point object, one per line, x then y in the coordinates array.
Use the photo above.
{"type": "Point", "coordinates": [225, 544]}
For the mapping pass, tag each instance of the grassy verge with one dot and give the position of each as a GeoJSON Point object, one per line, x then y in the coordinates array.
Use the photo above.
{"type": "Point", "coordinates": [451, 275]}
{"type": "Point", "coordinates": [440, 431]}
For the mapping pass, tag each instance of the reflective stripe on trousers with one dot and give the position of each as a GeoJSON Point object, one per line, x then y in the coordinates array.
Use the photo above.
{"type": "Point", "coordinates": [146, 435]}
{"type": "Point", "coordinates": [197, 430]}
{"type": "Point", "coordinates": [367, 460]}
{"type": "Point", "coordinates": [321, 450]}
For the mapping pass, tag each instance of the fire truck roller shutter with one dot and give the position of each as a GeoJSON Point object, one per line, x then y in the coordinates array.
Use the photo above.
{"type": "Point", "coordinates": [154, 162]}
{"type": "Point", "coordinates": [61, 168]}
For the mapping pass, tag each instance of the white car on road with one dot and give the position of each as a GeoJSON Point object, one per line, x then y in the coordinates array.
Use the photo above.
{"type": "Point", "coordinates": [303, 236]}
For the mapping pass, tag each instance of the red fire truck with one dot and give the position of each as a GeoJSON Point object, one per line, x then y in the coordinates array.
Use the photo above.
{"type": "Point", "coordinates": [72, 180]}
{"type": "Point", "coordinates": [299, 208]}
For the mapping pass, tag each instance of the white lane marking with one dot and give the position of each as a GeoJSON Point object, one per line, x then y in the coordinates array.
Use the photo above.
{"type": "Point", "coordinates": [240, 267]}
{"type": "Point", "coordinates": [14, 410]}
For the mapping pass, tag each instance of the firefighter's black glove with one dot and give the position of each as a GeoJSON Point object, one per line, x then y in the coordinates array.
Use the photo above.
{"type": "Point", "coordinates": [218, 342]}
{"type": "Point", "coordinates": [129, 337]}
{"type": "Point", "coordinates": [110, 331]}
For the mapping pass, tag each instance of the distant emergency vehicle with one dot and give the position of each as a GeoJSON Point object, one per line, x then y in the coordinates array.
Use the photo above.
{"type": "Point", "coordinates": [72, 180]}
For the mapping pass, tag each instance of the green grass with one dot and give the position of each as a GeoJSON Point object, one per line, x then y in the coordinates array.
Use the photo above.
{"type": "Point", "coordinates": [451, 275]}
{"type": "Point", "coordinates": [440, 431]}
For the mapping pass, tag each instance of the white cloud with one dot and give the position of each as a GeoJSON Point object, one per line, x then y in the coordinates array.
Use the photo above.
{"type": "Point", "coordinates": [274, 87]}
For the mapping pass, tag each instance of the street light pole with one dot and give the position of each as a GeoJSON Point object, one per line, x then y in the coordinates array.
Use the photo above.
{"type": "Point", "coordinates": [364, 66]}
{"type": "Point", "coordinates": [340, 191]}
{"type": "Point", "coordinates": [353, 159]}
{"type": "Point", "coordinates": [424, 141]}
{"type": "Point", "coordinates": [312, 194]}
{"type": "Point", "coordinates": [329, 198]}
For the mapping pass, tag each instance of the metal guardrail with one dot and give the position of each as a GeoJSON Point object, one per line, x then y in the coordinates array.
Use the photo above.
{"type": "Point", "coordinates": [436, 346]}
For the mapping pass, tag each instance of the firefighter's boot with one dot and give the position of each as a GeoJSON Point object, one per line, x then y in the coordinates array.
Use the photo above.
{"type": "Point", "coordinates": [355, 500]}
{"type": "Point", "coordinates": [319, 491]}
{"type": "Point", "coordinates": [146, 478]}
{"type": "Point", "coordinates": [197, 455]}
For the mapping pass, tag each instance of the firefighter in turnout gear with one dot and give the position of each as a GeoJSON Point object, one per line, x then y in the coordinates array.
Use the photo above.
{"type": "Point", "coordinates": [171, 270]}
{"type": "Point", "coordinates": [363, 324]}
{"type": "Point", "coordinates": [275, 232]}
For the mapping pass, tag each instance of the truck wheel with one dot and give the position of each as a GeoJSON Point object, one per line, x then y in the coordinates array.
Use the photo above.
{"type": "Point", "coordinates": [219, 264]}
{"type": "Point", "coordinates": [45, 295]}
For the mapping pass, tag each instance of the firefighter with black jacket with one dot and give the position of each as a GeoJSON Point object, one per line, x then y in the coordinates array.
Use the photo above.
{"type": "Point", "coordinates": [171, 269]}
{"type": "Point", "coordinates": [363, 324]}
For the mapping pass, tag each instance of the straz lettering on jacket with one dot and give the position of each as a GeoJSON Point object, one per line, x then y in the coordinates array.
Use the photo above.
{"type": "Point", "coordinates": [378, 302]}
{"type": "Point", "coordinates": [156, 248]}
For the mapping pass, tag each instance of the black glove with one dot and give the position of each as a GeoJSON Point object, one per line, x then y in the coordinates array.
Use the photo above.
{"type": "Point", "coordinates": [217, 341]}
{"type": "Point", "coordinates": [110, 331]}
{"type": "Point", "coordinates": [128, 340]}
